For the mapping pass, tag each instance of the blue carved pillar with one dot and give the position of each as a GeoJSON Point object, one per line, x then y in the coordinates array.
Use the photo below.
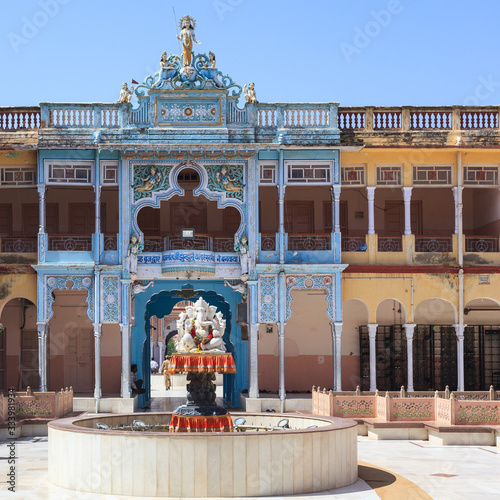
{"type": "Point", "coordinates": [97, 333]}
{"type": "Point", "coordinates": [281, 206]}
{"type": "Point", "coordinates": [336, 236]}
{"type": "Point", "coordinates": [281, 337]}
{"type": "Point", "coordinates": [42, 235]}
{"type": "Point", "coordinates": [97, 201]}
{"type": "Point", "coordinates": [253, 352]}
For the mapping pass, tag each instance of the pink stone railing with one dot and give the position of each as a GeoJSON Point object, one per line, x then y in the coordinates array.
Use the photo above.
{"type": "Point", "coordinates": [30, 405]}
{"type": "Point", "coordinates": [460, 408]}
{"type": "Point", "coordinates": [454, 411]}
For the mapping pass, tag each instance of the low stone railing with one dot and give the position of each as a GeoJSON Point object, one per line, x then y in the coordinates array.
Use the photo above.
{"type": "Point", "coordinates": [29, 405]}
{"type": "Point", "coordinates": [451, 408]}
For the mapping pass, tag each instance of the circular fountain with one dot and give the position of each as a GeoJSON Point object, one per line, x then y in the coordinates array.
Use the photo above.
{"type": "Point", "coordinates": [193, 452]}
{"type": "Point", "coordinates": [261, 458]}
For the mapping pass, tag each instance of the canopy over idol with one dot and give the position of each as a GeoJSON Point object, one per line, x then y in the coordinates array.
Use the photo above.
{"type": "Point", "coordinates": [201, 328]}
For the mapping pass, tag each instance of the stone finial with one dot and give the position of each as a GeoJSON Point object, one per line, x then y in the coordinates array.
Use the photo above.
{"type": "Point", "coordinates": [436, 393]}
{"type": "Point", "coordinates": [314, 388]}
{"type": "Point", "coordinates": [447, 392]}
{"type": "Point", "coordinates": [358, 391]}
{"type": "Point", "coordinates": [324, 390]}
{"type": "Point", "coordinates": [387, 394]}
{"type": "Point", "coordinates": [492, 393]}
{"type": "Point", "coordinates": [28, 391]}
{"type": "Point", "coordinates": [376, 392]}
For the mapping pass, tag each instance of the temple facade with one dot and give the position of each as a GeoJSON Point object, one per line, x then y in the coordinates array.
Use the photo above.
{"type": "Point", "coordinates": [343, 246]}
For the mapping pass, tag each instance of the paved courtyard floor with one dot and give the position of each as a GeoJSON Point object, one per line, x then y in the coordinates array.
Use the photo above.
{"type": "Point", "coordinates": [396, 470]}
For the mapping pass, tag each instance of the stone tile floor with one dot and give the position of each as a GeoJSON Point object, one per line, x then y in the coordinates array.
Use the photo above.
{"type": "Point", "coordinates": [443, 472]}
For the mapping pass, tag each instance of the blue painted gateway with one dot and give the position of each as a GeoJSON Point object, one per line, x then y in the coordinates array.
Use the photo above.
{"type": "Point", "coordinates": [180, 191]}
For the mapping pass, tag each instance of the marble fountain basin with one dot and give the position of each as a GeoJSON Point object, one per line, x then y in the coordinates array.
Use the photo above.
{"type": "Point", "coordinates": [233, 464]}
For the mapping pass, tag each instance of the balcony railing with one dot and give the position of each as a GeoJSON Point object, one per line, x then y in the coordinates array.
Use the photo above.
{"type": "Point", "coordinates": [433, 244]}
{"type": "Point", "coordinates": [265, 116]}
{"type": "Point", "coordinates": [70, 243]}
{"type": "Point", "coordinates": [268, 242]}
{"type": "Point", "coordinates": [409, 118]}
{"type": "Point", "coordinates": [110, 242]}
{"type": "Point", "coordinates": [353, 243]}
{"type": "Point", "coordinates": [25, 118]}
{"type": "Point", "coordinates": [220, 244]}
{"type": "Point", "coordinates": [20, 244]}
{"type": "Point", "coordinates": [390, 244]}
{"type": "Point", "coordinates": [309, 242]}
{"type": "Point", "coordinates": [481, 243]}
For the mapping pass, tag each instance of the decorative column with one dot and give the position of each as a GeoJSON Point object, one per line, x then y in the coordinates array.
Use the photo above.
{"type": "Point", "coordinates": [97, 236]}
{"type": "Point", "coordinates": [459, 329]}
{"type": "Point", "coordinates": [281, 337]}
{"type": "Point", "coordinates": [125, 332]}
{"type": "Point", "coordinates": [42, 356]}
{"type": "Point", "coordinates": [337, 353]}
{"type": "Point", "coordinates": [281, 207]}
{"type": "Point", "coordinates": [372, 333]}
{"type": "Point", "coordinates": [97, 333]}
{"type": "Point", "coordinates": [370, 194]}
{"type": "Point", "coordinates": [336, 236]}
{"type": "Point", "coordinates": [97, 360]}
{"type": "Point", "coordinates": [161, 352]}
{"type": "Point", "coordinates": [281, 351]}
{"type": "Point", "coordinates": [457, 202]}
{"type": "Point", "coordinates": [409, 329]}
{"type": "Point", "coordinates": [407, 200]}
{"type": "Point", "coordinates": [42, 222]}
{"type": "Point", "coordinates": [253, 351]}
{"type": "Point", "coordinates": [336, 209]}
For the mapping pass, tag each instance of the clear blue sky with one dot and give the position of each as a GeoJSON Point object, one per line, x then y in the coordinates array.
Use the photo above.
{"type": "Point", "coordinates": [359, 53]}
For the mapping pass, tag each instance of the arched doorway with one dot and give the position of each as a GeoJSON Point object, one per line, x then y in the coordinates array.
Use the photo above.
{"type": "Point", "coordinates": [161, 304]}
{"type": "Point", "coordinates": [435, 345]}
{"type": "Point", "coordinates": [18, 345]}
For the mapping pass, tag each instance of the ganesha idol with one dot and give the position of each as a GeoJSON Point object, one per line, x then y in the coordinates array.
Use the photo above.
{"type": "Point", "coordinates": [201, 329]}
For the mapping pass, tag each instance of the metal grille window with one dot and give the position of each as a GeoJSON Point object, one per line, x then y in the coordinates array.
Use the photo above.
{"type": "Point", "coordinates": [390, 357]}
{"type": "Point", "coordinates": [434, 357]}
{"type": "Point", "coordinates": [429, 175]}
{"type": "Point", "coordinates": [353, 175]}
{"type": "Point", "coordinates": [17, 176]}
{"type": "Point", "coordinates": [267, 173]}
{"type": "Point", "coordinates": [481, 175]}
{"type": "Point", "coordinates": [389, 175]}
{"type": "Point", "coordinates": [109, 173]}
{"type": "Point", "coordinates": [308, 173]}
{"type": "Point", "coordinates": [481, 357]}
{"type": "Point", "coordinates": [69, 172]}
